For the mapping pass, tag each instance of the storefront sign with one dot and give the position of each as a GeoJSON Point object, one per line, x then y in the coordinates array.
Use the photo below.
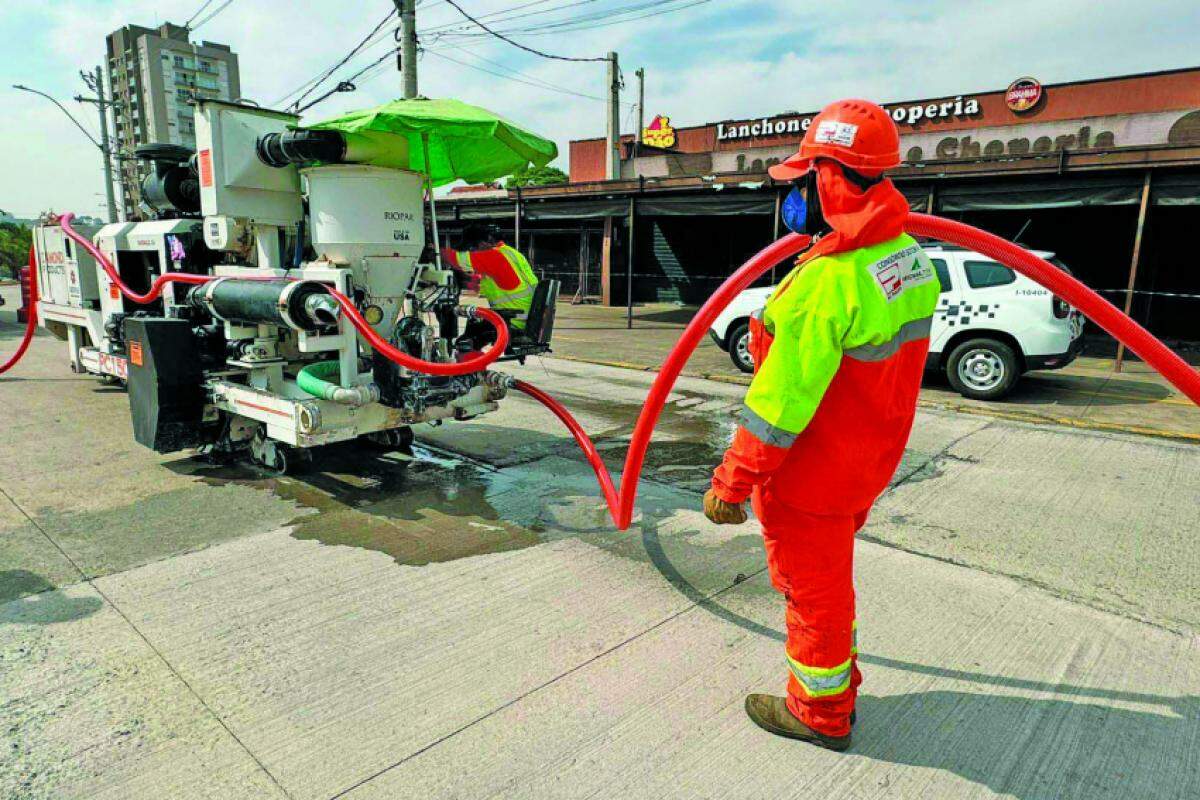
{"type": "Point", "coordinates": [958, 108]}
{"type": "Point", "coordinates": [659, 133]}
{"type": "Point", "coordinates": [997, 141]}
{"type": "Point", "coordinates": [1023, 94]}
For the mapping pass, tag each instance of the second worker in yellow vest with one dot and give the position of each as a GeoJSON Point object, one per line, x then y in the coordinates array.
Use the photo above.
{"type": "Point", "coordinates": [505, 278]}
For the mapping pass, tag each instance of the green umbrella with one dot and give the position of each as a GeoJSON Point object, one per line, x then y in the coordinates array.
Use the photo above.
{"type": "Point", "coordinates": [463, 142]}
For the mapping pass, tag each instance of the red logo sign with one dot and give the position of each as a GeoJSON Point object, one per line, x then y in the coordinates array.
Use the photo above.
{"type": "Point", "coordinates": [1023, 94]}
{"type": "Point", "coordinates": [135, 353]}
{"type": "Point", "coordinates": [659, 133]}
{"type": "Point", "coordinates": [206, 176]}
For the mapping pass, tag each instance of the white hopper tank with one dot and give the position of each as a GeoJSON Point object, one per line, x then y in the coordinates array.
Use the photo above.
{"type": "Point", "coordinates": [370, 219]}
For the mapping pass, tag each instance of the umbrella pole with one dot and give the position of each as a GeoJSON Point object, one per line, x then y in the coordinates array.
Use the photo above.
{"type": "Point", "coordinates": [437, 241]}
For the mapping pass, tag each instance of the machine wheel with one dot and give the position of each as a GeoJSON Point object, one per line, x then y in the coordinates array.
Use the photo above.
{"type": "Point", "coordinates": [739, 347]}
{"type": "Point", "coordinates": [290, 460]}
{"type": "Point", "coordinates": [277, 457]}
{"type": "Point", "coordinates": [395, 440]}
{"type": "Point", "coordinates": [983, 369]}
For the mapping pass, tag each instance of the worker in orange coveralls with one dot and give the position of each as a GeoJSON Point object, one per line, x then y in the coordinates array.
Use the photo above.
{"type": "Point", "coordinates": [839, 352]}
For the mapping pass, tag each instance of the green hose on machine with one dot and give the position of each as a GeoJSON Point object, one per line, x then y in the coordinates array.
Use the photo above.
{"type": "Point", "coordinates": [313, 379]}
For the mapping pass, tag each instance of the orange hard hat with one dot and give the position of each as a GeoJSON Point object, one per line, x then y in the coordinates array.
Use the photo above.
{"type": "Point", "coordinates": [855, 133]}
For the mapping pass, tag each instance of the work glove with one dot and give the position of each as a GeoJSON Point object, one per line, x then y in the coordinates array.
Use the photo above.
{"type": "Point", "coordinates": [722, 513]}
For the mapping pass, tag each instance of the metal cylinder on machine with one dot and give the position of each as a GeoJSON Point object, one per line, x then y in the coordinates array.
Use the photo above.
{"type": "Point", "coordinates": [299, 305]}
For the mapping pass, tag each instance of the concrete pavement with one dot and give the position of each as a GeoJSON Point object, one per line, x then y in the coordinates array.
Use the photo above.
{"type": "Point", "coordinates": [470, 626]}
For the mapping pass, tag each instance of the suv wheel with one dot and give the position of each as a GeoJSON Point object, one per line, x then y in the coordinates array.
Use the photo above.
{"type": "Point", "coordinates": [739, 347]}
{"type": "Point", "coordinates": [983, 369]}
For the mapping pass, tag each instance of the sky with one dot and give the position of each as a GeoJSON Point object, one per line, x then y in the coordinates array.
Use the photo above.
{"type": "Point", "coordinates": [706, 61]}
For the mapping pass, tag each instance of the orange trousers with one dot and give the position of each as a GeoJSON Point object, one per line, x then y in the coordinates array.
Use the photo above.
{"type": "Point", "coordinates": [810, 558]}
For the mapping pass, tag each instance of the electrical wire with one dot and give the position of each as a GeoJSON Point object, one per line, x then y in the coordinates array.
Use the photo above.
{"type": "Point", "coordinates": [519, 77]}
{"type": "Point", "coordinates": [592, 21]}
{"type": "Point", "coordinates": [520, 46]}
{"type": "Point", "coordinates": [353, 52]}
{"type": "Point", "coordinates": [218, 10]}
{"type": "Point", "coordinates": [199, 11]}
{"type": "Point", "coordinates": [505, 15]}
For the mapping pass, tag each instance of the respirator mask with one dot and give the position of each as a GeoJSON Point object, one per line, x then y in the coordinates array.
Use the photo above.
{"type": "Point", "coordinates": [801, 210]}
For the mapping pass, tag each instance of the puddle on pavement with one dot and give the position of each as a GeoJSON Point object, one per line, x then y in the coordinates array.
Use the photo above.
{"type": "Point", "coordinates": [432, 509]}
{"type": "Point", "coordinates": [439, 508]}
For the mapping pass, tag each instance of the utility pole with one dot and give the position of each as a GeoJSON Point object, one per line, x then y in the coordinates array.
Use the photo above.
{"type": "Point", "coordinates": [612, 168]}
{"type": "Point", "coordinates": [407, 9]}
{"type": "Point", "coordinates": [641, 76]}
{"type": "Point", "coordinates": [95, 82]}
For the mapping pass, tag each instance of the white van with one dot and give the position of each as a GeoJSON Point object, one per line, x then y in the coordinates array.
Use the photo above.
{"type": "Point", "coordinates": [991, 326]}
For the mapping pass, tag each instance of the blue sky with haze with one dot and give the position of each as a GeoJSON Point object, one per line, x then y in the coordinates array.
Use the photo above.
{"type": "Point", "coordinates": [722, 59]}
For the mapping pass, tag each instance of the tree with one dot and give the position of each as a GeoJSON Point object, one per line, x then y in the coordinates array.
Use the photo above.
{"type": "Point", "coordinates": [14, 248]}
{"type": "Point", "coordinates": [538, 176]}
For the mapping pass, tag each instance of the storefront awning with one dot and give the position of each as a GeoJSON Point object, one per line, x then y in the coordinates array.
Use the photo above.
{"type": "Point", "coordinates": [575, 209]}
{"type": "Point", "coordinates": [1175, 190]}
{"type": "Point", "coordinates": [712, 205]}
{"type": "Point", "coordinates": [1031, 193]}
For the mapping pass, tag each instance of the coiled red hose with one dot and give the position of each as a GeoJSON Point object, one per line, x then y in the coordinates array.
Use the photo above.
{"type": "Point", "coordinates": [31, 319]}
{"type": "Point", "coordinates": [465, 367]}
{"type": "Point", "coordinates": [1096, 308]}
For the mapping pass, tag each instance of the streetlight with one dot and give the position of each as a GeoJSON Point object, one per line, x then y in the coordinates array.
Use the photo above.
{"type": "Point", "coordinates": [102, 146]}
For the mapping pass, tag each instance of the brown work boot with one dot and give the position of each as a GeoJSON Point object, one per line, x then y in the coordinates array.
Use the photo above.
{"type": "Point", "coordinates": [772, 715]}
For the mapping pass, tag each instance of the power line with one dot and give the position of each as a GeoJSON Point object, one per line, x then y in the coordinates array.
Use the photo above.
{"type": "Point", "coordinates": [505, 15]}
{"type": "Point", "coordinates": [346, 58]}
{"type": "Point", "coordinates": [536, 83]}
{"type": "Point", "coordinates": [216, 11]}
{"type": "Point", "coordinates": [592, 21]}
{"type": "Point", "coordinates": [518, 45]}
{"type": "Point", "coordinates": [199, 11]}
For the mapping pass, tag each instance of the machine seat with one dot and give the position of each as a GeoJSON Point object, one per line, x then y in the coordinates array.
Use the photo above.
{"type": "Point", "coordinates": [534, 340]}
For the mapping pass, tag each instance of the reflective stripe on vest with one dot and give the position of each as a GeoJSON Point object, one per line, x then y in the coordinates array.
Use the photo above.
{"type": "Point", "coordinates": [821, 681]}
{"type": "Point", "coordinates": [521, 298]}
{"type": "Point", "coordinates": [764, 431]}
{"type": "Point", "coordinates": [912, 331]}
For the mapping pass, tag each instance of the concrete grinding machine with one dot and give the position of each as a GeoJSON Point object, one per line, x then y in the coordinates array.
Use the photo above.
{"type": "Point", "coordinates": [254, 349]}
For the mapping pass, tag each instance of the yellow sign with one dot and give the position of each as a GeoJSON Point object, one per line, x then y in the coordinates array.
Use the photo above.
{"type": "Point", "coordinates": [659, 133]}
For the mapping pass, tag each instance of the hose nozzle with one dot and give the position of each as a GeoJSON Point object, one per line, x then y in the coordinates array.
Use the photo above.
{"type": "Point", "coordinates": [322, 309]}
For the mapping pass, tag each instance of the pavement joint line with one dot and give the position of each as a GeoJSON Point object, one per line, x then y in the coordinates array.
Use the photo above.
{"type": "Point", "coordinates": [943, 453]}
{"type": "Point", "coordinates": [141, 635]}
{"type": "Point", "coordinates": [691, 606]}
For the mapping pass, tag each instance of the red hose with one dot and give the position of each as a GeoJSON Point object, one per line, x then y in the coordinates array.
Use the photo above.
{"type": "Point", "coordinates": [1096, 308]}
{"type": "Point", "coordinates": [1182, 376]}
{"type": "Point", "coordinates": [470, 365]}
{"type": "Point", "coordinates": [620, 505]}
{"type": "Point", "coordinates": [31, 319]}
{"type": "Point", "coordinates": [475, 363]}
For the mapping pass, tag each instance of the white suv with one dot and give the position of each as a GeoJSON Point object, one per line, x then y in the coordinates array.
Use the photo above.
{"type": "Point", "coordinates": [991, 326]}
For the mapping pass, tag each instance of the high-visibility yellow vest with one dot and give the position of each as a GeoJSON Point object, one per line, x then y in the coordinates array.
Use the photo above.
{"type": "Point", "coordinates": [863, 304]}
{"type": "Point", "coordinates": [520, 298]}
